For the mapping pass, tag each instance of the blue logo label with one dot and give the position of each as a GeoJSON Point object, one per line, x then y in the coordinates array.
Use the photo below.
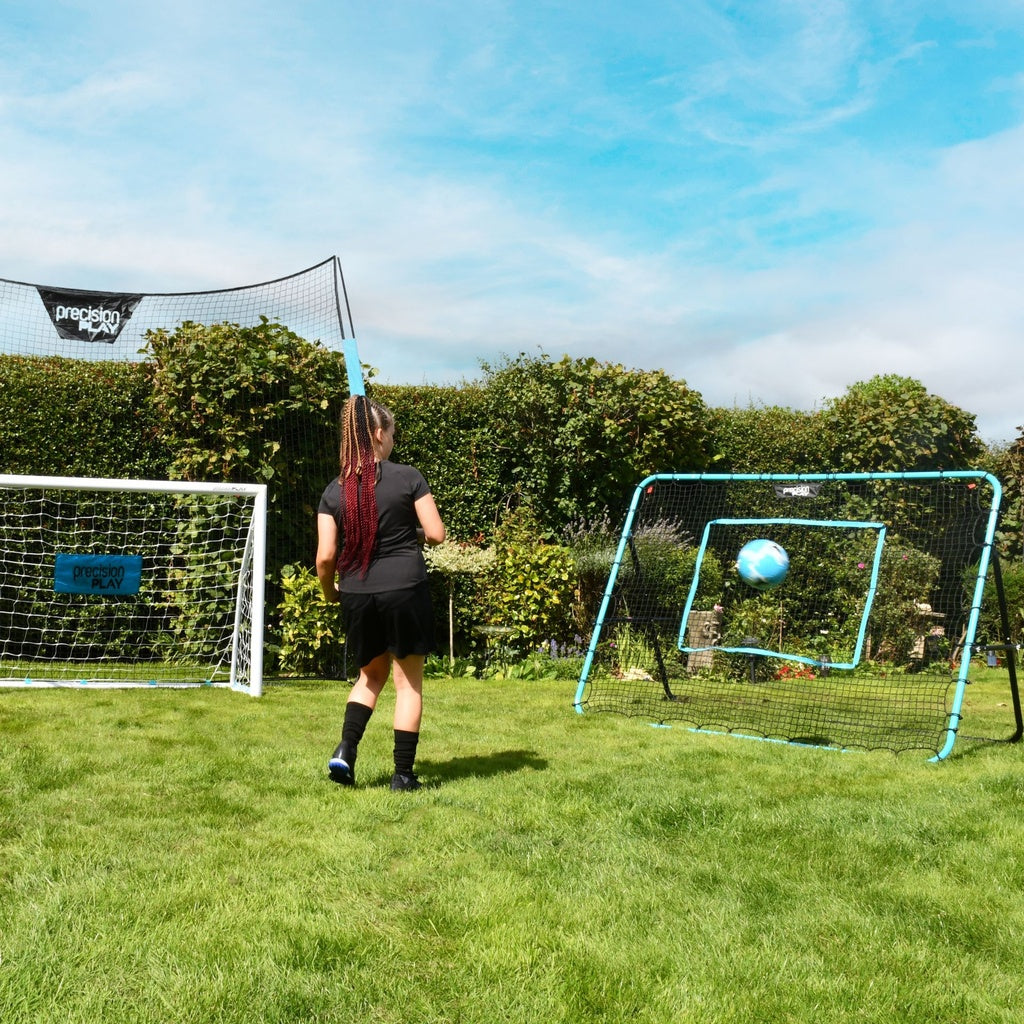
{"type": "Point", "coordinates": [110, 575]}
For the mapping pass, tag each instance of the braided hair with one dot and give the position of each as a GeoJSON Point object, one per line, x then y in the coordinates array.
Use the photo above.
{"type": "Point", "coordinates": [360, 419]}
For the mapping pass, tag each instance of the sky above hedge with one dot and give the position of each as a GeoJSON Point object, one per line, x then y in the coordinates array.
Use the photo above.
{"type": "Point", "coordinates": [769, 200]}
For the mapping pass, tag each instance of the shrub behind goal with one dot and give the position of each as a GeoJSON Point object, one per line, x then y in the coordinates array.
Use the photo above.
{"type": "Point", "coordinates": [866, 643]}
{"type": "Point", "coordinates": [116, 583]}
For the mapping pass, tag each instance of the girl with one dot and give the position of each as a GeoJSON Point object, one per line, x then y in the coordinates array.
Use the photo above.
{"type": "Point", "coordinates": [379, 513]}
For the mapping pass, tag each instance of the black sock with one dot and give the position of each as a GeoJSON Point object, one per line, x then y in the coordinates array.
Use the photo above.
{"type": "Point", "coordinates": [405, 751]}
{"type": "Point", "coordinates": [356, 718]}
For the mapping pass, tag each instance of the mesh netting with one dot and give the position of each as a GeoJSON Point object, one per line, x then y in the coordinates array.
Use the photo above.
{"type": "Point", "coordinates": [37, 320]}
{"type": "Point", "coordinates": [41, 322]}
{"type": "Point", "coordinates": [118, 583]}
{"type": "Point", "coordinates": [863, 644]}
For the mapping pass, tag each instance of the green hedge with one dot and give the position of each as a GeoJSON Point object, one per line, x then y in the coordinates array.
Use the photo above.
{"type": "Point", "coordinates": [768, 439]}
{"type": "Point", "coordinates": [575, 436]}
{"type": "Point", "coordinates": [65, 417]}
{"type": "Point", "coordinates": [565, 440]}
{"type": "Point", "coordinates": [446, 433]}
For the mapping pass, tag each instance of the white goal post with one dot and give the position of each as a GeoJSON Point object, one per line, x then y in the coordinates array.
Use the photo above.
{"type": "Point", "coordinates": [120, 583]}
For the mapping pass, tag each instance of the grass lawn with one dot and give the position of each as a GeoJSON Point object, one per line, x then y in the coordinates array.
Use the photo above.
{"type": "Point", "coordinates": [180, 856]}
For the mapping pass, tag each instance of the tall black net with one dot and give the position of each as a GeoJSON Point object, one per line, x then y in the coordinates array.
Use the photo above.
{"type": "Point", "coordinates": [298, 444]}
{"type": "Point", "coordinates": [40, 320]}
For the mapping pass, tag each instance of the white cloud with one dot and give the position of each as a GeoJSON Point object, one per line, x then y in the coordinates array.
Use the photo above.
{"type": "Point", "coordinates": [934, 295]}
{"type": "Point", "coordinates": [792, 270]}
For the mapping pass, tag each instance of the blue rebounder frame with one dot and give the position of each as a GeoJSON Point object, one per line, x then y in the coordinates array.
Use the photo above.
{"type": "Point", "coordinates": [801, 484]}
{"type": "Point", "coordinates": [872, 586]}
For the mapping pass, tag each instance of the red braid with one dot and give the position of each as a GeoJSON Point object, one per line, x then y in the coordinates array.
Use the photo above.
{"type": "Point", "coordinates": [358, 478]}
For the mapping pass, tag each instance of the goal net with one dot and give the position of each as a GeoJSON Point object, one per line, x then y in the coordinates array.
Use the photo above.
{"type": "Point", "coordinates": [864, 641]}
{"type": "Point", "coordinates": [118, 583]}
{"type": "Point", "coordinates": [39, 320]}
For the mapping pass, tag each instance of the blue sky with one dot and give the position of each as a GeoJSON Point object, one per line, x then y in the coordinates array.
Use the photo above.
{"type": "Point", "coordinates": [770, 200]}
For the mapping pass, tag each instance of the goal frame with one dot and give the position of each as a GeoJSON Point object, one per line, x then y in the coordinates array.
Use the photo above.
{"type": "Point", "coordinates": [252, 567]}
{"type": "Point", "coordinates": [988, 562]}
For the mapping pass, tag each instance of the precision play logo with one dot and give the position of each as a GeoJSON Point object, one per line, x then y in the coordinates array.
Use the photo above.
{"type": "Point", "coordinates": [798, 490]}
{"type": "Point", "coordinates": [93, 320]}
{"type": "Point", "coordinates": [88, 316]}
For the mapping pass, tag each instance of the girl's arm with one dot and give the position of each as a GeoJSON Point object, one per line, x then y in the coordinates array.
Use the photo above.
{"type": "Point", "coordinates": [327, 555]}
{"type": "Point", "coordinates": [430, 519]}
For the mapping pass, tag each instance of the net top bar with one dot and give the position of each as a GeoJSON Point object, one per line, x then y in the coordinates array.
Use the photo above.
{"type": "Point", "coordinates": [931, 474]}
{"type": "Point", "coordinates": [201, 291]}
{"type": "Point", "coordinates": [84, 483]}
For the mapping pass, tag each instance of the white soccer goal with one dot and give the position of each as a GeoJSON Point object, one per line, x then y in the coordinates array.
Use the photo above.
{"type": "Point", "coordinates": [120, 583]}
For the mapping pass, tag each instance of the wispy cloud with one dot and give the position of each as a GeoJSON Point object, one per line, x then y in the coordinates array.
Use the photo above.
{"type": "Point", "coordinates": [772, 201]}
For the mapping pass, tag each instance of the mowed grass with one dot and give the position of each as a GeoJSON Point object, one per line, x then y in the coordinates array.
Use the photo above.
{"type": "Point", "coordinates": [180, 856]}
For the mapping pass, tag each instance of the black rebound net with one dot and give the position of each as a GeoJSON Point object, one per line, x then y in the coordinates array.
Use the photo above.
{"type": "Point", "coordinates": [43, 323]}
{"type": "Point", "coordinates": [864, 641]}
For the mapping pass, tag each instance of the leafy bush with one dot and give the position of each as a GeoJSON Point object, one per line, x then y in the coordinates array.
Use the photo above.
{"type": "Point", "coordinates": [990, 627]}
{"type": "Point", "coordinates": [756, 616]}
{"type": "Point", "coordinates": [593, 549]}
{"type": "Point", "coordinates": [906, 579]}
{"type": "Point", "coordinates": [892, 423]}
{"type": "Point", "coordinates": [1006, 462]}
{"type": "Point", "coordinates": [253, 404]}
{"type": "Point", "coordinates": [577, 435]}
{"type": "Point", "coordinates": [529, 586]}
{"type": "Point", "coordinates": [668, 559]}
{"type": "Point", "coordinates": [310, 629]}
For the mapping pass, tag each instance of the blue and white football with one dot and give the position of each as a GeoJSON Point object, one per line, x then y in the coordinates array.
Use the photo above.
{"type": "Point", "coordinates": [762, 564]}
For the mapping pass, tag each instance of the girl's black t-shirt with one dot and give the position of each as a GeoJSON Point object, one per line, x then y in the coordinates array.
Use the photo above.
{"type": "Point", "coordinates": [397, 561]}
